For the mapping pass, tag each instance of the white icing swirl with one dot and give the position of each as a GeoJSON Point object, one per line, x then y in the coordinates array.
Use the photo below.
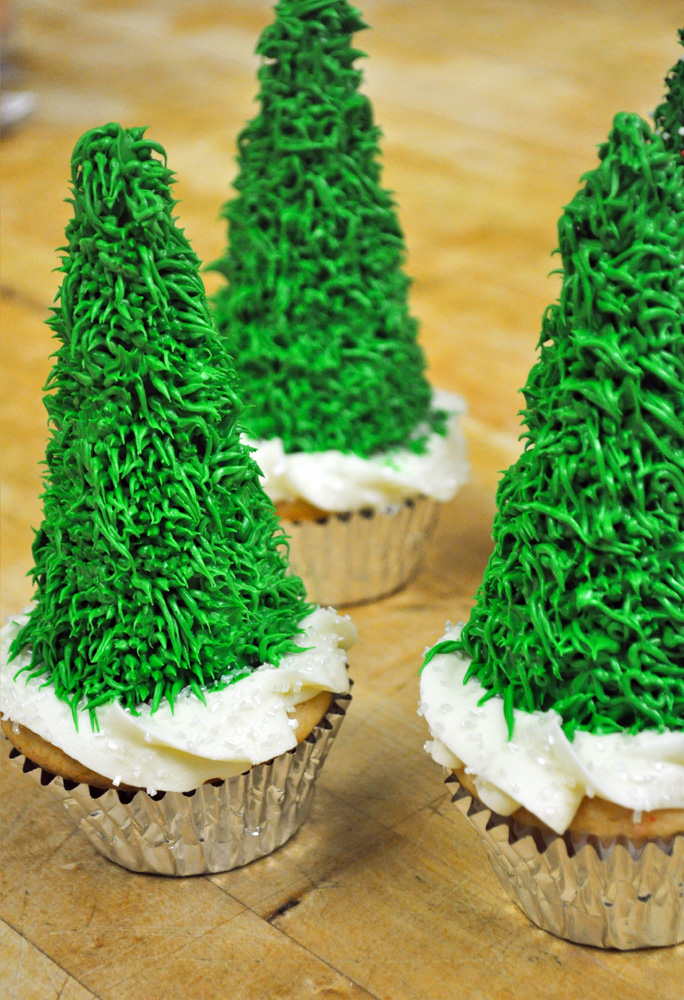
{"type": "Point", "coordinates": [540, 768]}
{"type": "Point", "coordinates": [243, 724]}
{"type": "Point", "coordinates": [337, 481]}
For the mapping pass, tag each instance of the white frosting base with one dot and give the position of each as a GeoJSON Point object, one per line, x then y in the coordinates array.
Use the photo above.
{"type": "Point", "coordinates": [336, 481]}
{"type": "Point", "coordinates": [540, 768]}
{"type": "Point", "coordinates": [243, 724]}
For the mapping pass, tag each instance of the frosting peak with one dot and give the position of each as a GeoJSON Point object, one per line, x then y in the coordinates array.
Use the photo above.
{"type": "Point", "coordinates": [316, 310]}
{"type": "Point", "coordinates": [580, 609]}
{"type": "Point", "coordinates": [158, 563]}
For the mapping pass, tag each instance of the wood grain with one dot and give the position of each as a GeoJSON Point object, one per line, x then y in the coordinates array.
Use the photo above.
{"type": "Point", "coordinates": [27, 974]}
{"type": "Point", "coordinates": [491, 110]}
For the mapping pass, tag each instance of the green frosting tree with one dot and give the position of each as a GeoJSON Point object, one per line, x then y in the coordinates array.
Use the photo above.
{"type": "Point", "coordinates": [156, 565]}
{"type": "Point", "coordinates": [315, 311]}
{"type": "Point", "coordinates": [669, 116]}
{"type": "Point", "coordinates": [581, 608]}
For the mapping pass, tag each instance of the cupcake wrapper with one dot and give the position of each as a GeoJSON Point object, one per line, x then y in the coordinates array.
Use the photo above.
{"type": "Point", "coordinates": [213, 828]}
{"type": "Point", "coordinates": [607, 894]}
{"type": "Point", "coordinates": [361, 555]}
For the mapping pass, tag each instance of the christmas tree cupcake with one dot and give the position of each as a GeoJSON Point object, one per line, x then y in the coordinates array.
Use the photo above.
{"type": "Point", "coordinates": [560, 704]}
{"type": "Point", "coordinates": [355, 447]}
{"type": "Point", "coordinates": [171, 667]}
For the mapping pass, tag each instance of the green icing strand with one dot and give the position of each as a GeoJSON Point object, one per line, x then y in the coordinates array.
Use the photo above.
{"type": "Point", "coordinates": [669, 116]}
{"type": "Point", "coordinates": [581, 608]}
{"type": "Point", "coordinates": [158, 564]}
{"type": "Point", "coordinates": [315, 311]}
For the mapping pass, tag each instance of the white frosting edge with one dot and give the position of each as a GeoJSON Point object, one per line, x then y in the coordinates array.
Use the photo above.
{"type": "Point", "coordinates": [540, 768]}
{"type": "Point", "coordinates": [241, 725]}
{"type": "Point", "coordinates": [337, 481]}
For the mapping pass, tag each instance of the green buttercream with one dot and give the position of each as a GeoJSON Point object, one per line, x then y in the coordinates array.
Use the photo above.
{"type": "Point", "coordinates": [156, 564]}
{"type": "Point", "coordinates": [669, 116]}
{"type": "Point", "coordinates": [581, 608]}
{"type": "Point", "coordinates": [315, 311]}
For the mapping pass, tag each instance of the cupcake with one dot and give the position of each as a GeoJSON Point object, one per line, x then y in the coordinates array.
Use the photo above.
{"type": "Point", "coordinates": [356, 449]}
{"type": "Point", "coordinates": [171, 680]}
{"type": "Point", "coordinates": [559, 706]}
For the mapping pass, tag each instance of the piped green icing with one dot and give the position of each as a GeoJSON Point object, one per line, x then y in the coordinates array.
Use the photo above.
{"type": "Point", "coordinates": [158, 564]}
{"type": "Point", "coordinates": [581, 608]}
{"type": "Point", "coordinates": [315, 311]}
{"type": "Point", "coordinates": [669, 116]}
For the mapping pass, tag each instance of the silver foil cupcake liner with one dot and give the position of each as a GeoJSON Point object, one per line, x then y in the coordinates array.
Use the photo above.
{"type": "Point", "coordinates": [606, 894]}
{"type": "Point", "coordinates": [361, 555]}
{"type": "Point", "coordinates": [213, 828]}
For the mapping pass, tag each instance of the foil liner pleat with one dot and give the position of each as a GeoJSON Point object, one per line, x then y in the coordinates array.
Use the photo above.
{"type": "Point", "coordinates": [361, 555]}
{"type": "Point", "coordinates": [609, 894]}
{"type": "Point", "coordinates": [214, 828]}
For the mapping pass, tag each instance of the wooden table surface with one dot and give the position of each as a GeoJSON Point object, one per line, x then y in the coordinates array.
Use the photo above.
{"type": "Point", "coordinates": [492, 110]}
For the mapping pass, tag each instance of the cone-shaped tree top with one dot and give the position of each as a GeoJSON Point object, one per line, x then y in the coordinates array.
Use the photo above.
{"type": "Point", "coordinates": [669, 116]}
{"type": "Point", "coordinates": [315, 311]}
{"type": "Point", "coordinates": [156, 563]}
{"type": "Point", "coordinates": [581, 608]}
